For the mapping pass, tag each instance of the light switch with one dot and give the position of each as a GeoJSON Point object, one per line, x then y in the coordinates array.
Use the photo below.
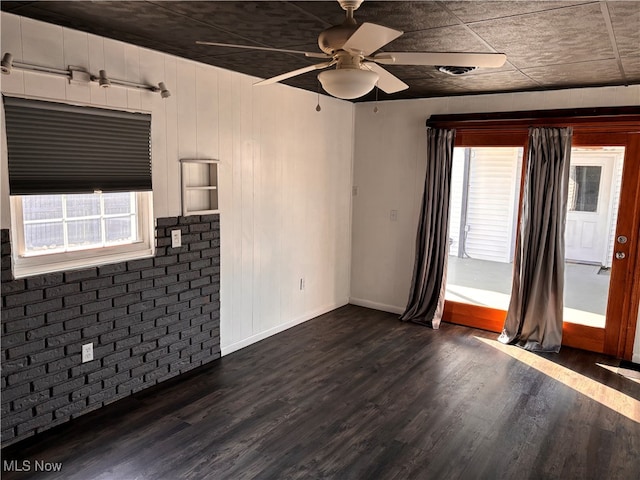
{"type": "Point", "coordinates": [176, 238]}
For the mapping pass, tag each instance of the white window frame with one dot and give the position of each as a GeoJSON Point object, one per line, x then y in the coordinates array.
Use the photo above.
{"type": "Point", "coordinates": [25, 265]}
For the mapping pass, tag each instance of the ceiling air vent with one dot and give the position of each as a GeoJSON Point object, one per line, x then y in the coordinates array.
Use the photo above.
{"type": "Point", "coordinates": [456, 70]}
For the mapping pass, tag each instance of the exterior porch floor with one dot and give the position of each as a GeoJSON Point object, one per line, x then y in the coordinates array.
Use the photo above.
{"type": "Point", "coordinates": [487, 283]}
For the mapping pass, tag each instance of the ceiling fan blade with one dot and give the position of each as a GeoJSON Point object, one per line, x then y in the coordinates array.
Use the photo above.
{"type": "Point", "coordinates": [369, 37]}
{"type": "Point", "coordinates": [293, 73]}
{"type": "Point", "coordinates": [387, 82]}
{"type": "Point", "coordinates": [486, 60]}
{"type": "Point", "coordinates": [266, 49]}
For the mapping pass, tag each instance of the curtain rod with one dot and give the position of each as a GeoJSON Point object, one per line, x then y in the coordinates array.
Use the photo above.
{"type": "Point", "coordinates": [533, 116]}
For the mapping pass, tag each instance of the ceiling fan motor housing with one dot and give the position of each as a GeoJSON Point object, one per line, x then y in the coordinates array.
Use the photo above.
{"type": "Point", "coordinates": [333, 38]}
{"type": "Point", "coordinates": [350, 4]}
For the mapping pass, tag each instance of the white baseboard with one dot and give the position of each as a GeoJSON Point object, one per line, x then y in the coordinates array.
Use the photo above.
{"type": "Point", "coordinates": [227, 349]}
{"type": "Point", "coordinates": [376, 306]}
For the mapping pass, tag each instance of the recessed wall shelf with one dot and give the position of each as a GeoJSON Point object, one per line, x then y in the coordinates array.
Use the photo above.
{"type": "Point", "coordinates": [199, 179]}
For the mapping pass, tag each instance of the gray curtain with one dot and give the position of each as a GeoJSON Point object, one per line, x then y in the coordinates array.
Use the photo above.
{"type": "Point", "coordinates": [426, 297]}
{"type": "Point", "coordinates": [534, 318]}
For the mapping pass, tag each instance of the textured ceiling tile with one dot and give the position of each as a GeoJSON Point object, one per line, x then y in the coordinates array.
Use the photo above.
{"type": "Point", "coordinates": [475, 11]}
{"type": "Point", "coordinates": [381, 97]}
{"type": "Point", "coordinates": [631, 67]}
{"type": "Point", "coordinates": [532, 33]}
{"type": "Point", "coordinates": [330, 13]}
{"type": "Point", "coordinates": [498, 82]}
{"type": "Point", "coordinates": [597, 72]}
{"type": "Point", "coordinates": [405, 16]}
{"type": "Point", "coordinates": [259, 64]}
{"type": "Point", "coordinates": [571, 34]}
{"type": "Point", "coordinates": [132, 22]}
{"type": "Point", "coordinates": [625, 19]}
{"type": "Point", "coordinates": [409, 72]}
{"type": "Point", "coordinates": [13, 6]}
{"type": "Point", "coordinates": [276, 24]}
{"type": "Point", "coordinates": [215, 51]}
{"type": "Point", "coordinates": [105, 29]}
{"type": "Point", "coordinates": [446, 39]}
{"type": "Point", "coordinates": [307, 82]}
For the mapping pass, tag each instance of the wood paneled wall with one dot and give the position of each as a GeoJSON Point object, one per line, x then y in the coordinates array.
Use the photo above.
{"type": "Point", "coordinates": [285, 171]}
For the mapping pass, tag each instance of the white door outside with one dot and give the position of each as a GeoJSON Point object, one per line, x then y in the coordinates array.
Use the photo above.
{"type": "Point", "coordinates": [588, 210]}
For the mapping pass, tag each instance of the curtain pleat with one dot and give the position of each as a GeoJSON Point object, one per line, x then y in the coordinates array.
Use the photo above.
{"type": "Point", "coordinates": [534, 318]}
{"type": "Point", "coordinates": [426, 297]}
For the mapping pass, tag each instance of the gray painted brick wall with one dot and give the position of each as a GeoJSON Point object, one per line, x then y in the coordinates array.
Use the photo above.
{"type": "Point", "coordinates": [149, 320]}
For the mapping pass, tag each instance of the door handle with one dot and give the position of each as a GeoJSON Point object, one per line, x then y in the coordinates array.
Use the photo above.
{"type": "Point", "coordinates": [620, 255]}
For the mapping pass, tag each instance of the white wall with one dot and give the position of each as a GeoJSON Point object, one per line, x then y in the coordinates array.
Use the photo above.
{"type": "Point", "coordinates": [285, 172]}
{"type": "Point", "coordinates": [389, 170]}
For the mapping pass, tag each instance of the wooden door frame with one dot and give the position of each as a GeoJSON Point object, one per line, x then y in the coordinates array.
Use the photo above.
{"type": "Point", "coordinates": [600, 126]}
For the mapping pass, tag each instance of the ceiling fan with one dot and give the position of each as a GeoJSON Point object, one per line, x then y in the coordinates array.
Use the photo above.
{"type": "Point", "coordinates": [351, 49]}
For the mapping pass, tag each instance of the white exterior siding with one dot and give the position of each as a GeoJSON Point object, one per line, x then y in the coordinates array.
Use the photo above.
{"type": "Point", "coordinates": [492, 203]}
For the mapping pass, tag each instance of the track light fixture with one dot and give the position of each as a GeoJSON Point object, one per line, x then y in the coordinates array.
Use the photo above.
{"type": "Point", "coordinates": [103, 80]}
{"type": "Point", "coordinates": [79, 75]}
{"type": "Point", "coordinates": [7, 63]}
{"type": "Point", "coordinates": [164, 91]}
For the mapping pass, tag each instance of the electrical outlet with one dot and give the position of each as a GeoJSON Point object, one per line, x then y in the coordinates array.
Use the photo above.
{"type": "Point", "coordinates": [87, 352]}
{"type": "Point", "coordinates": [176, 238]}
{"type": "Point", "coordinates": [394, 215]}
{"type": "Point", "coordinates": [354, 191]}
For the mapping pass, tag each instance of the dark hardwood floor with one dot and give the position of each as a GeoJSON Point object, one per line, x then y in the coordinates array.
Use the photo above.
{"type": "Point", "coordinates": [356, 394]}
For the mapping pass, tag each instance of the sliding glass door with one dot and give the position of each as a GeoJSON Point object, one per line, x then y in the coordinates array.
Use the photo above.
{"type": "Point", "coordinates": [485, 192]}
{"type": "Point", "coordinates": [602, 242]}
{"type": "Point", "coordinates": [595, 179]}
{"type": "Point", "coordinates": [601, 235]}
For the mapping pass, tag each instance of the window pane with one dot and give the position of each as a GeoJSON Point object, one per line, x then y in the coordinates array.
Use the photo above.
{"type": "Point", "coordinates": [119, 229]}
{"type": "Point", "coordinates": [43, 236]}
{"type": "Point", "coordinates": [584, 188]}
{"type": "Point", "coordinates": [115, 203]}
{"type": "Point", "coordinates": [485, 189]}
{"type": "Point", "coordinates": [84, 232]}
{"type": "Point", "coordinates": [595, 182]}
{"type": "Point", "coordinates": [41, 207]}
{"type": "Point", "coordinates": [83, 205]}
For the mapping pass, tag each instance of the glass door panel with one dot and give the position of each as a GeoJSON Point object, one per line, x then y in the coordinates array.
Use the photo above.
{"type": "Point", "coordinates": [485, 194]}
{"type": "Point", "coordinates": [602, 233]}
{"type": "Point", "coordinates": [595, 180]}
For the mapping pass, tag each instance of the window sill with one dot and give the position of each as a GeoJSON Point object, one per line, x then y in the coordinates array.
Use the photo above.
{"type": "Point", "coordinates": [28, 267]}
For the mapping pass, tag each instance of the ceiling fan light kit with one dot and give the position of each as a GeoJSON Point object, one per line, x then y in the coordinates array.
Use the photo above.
{"type": "Point", "coordinates": [348, 83]}
{"type": "Point", "coordinates": [351, 49]}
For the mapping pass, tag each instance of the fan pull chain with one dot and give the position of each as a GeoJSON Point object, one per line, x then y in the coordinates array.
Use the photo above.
{"type": "Point", "coordinates": [318, 107]}
{"type": "Point", "coordinates": [375, 108]}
